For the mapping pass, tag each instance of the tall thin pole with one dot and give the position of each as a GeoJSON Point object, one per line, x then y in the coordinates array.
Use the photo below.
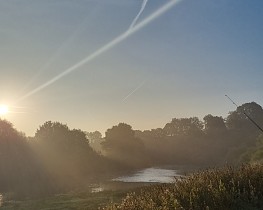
{"type": "Point", "coordinates": [246, 115]}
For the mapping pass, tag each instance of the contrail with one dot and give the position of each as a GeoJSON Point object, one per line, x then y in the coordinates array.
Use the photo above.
{"type": "Point", "coordinates": [137, 88]}
{"type": "Point", "coordinates": [106, 47]}
{"type": "Point", "coordinates": [59, 51]}
{"type": "Point", "coordinates": [144, 3]}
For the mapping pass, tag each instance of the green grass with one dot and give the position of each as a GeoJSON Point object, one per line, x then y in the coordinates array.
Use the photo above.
{"type": "Point", "coordinates": [87, 201]}
{"type": "Point", "coordinates": [227, 188]}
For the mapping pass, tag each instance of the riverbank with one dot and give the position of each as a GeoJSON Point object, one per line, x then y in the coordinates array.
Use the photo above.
{"type": "Point", "coordinates": [98, 192]}
{"type": "Point", "coordinates": [95, 195]}
{"type": "Point", "coordinates": [219, 188]}
{"type": "Point", "coordinates": [73, 200]}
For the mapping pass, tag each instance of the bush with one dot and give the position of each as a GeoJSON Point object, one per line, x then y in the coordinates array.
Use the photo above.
{"type": "Point", "coordinates": [225, 188]}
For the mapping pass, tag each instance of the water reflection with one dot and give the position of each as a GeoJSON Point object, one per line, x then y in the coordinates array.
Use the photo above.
{"type": "Point", "coordinates": [141, 178]}
{"type": "Point", "coordinates": [151, 175]}
{"type": "Point", "coordinates": [97, 189]}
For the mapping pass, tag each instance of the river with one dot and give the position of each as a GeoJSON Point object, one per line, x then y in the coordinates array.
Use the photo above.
{"type": "Point", "coordinates": [144, 177]}
{"type": "Point", "coordinates": [151, 175]}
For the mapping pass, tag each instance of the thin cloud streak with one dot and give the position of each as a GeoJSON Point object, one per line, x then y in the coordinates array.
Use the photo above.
{"type": "Point", "coordinates": [131, 93]}
{"type": "Point", "coordinates": [65, 45]}
{"type": "Point", "coordinates": [106, 47]}
{"type": "Point", "coordinates": [144, 3]}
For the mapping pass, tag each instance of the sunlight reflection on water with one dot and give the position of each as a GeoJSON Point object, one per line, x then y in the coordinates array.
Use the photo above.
{"type": "Point", "coordinates": [97, 189]}
{"type": "Point", "coordinates": [154, 175]}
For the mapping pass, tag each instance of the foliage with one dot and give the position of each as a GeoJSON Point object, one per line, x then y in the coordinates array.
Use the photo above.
{"type": "Point", "coordinates": [239, 122]}
{"type": "Point", "coordinates": [56, 160]}
{"type": "Point", "coordinates": [213, 141]}
{"type": "Point", "coordinates": [93, 136]}
{"type": "Point", "coordinates": [95, 140]}
{"type": "Point", "coordinates": [20, 171]}
{"type": "Point", "coordinates": [225, 188]}
{"type": "Point", "coordinates": [67, 155]}
{"type": "Point", "coordinates": [121, 144]}
{"type": "Point", "coordinates": [184, 126]}
{"type": "Point", "coordinates": [214, 124]}
{"type": "Point", "coordinates": [254, 153]}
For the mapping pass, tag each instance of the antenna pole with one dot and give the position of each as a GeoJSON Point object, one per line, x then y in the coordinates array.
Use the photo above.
{"type": "Point", "coordinates": [246, 115]}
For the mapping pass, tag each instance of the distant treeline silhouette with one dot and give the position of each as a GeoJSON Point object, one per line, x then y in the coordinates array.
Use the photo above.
{"type": "Point", "coordinates": [59, 159]}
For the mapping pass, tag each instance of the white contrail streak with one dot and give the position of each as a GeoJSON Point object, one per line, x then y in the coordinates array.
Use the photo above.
{"type": "Point", "coordinates": [137, 88]}
{"type": "Point", "coordinates": [60, 50]}
{"type": "Point", "coordinates": [106, 47]}
{"type": "Point", "coordinates": [144, 3]}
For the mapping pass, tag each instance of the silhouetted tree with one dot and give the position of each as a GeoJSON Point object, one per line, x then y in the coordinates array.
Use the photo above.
{"type": "Point", "coordinates": [95, 140]}
{"type": "Point", "coordinates": [93, 136]}
{"type": "Point", "coordinates": [183, 127]}
{"type": "Point", "coordinates": [214, 124]}
{"type": "Point", "coordinates": [12, 151]}
{"type": "Point", "coordinates": [156, 145]}
{"type": "Point", "coordinates": [20, 171]}
{"type": "Point", "coordinates": [237, 119]}
{"type": "Point", "coordinates": [122, 145]}
{"type": "Point", "coordinates": [66, 153]}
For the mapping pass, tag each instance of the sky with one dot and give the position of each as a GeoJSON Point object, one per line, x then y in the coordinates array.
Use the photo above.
{"type": "Point", "coordinates": [181, 64]}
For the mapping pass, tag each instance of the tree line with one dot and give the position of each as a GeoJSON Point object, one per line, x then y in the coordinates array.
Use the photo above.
{"type": "Point", "coordinates": [191, 141]}
{"type": "Point", "coordinates": [58, 158]}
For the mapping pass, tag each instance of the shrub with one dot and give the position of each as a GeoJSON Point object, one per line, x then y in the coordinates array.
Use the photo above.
{"type": "Point", "coordinates": [225, 188]}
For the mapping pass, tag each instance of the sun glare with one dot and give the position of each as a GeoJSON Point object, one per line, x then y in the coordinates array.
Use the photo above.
{"type": "Point", "coordinates": [3, 109]}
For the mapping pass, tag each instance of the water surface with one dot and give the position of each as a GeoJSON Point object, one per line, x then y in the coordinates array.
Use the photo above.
{"type": "Point", "coordinates": [151, 175]}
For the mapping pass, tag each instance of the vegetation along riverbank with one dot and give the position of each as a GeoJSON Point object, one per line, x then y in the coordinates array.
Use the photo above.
{"type": "Point", "coordinates": [224, 188]}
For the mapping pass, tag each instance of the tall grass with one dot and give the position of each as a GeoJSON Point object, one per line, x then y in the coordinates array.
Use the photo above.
{"type": "Point", "coordinates": [224, 188]}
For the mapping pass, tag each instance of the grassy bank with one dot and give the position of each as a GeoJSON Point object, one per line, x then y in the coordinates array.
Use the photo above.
{"type": "Point", "coordinates": [225, 188]}
{"type": "Point", "coordinates": [87, 201]}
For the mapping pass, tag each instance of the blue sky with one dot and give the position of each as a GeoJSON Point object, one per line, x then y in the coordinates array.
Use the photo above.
{"type": "Point", "coordinates": [185, 61]}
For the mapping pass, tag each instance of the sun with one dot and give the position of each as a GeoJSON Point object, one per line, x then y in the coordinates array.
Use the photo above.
{"type": "Point", "coordinates": [3, 109]}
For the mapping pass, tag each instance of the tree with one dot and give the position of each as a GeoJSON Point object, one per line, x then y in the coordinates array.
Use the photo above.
{"type": "Point", "coordinates": [184, 127]}
{"type": "Point", "coordinates": [66, 153]}
{"type": "Point", "coordinates": [95, 140]}
{"type": "Point", "coordinates": [93, 136]}
{"type": "Point", "coordinates": [61, 137]}
{"type": "Point", "coordinates": [157, 133]}
{"type": "Point", "coordinates": [214, 124]}
{"type": "Point", "coordinates": [12, 145]}
{"type": "Point", "coordinates": [122, 145]}
{"type": "Point", "coordinates": [19, 168]}
{"type": "Point", "coordinates": [238, 122]}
